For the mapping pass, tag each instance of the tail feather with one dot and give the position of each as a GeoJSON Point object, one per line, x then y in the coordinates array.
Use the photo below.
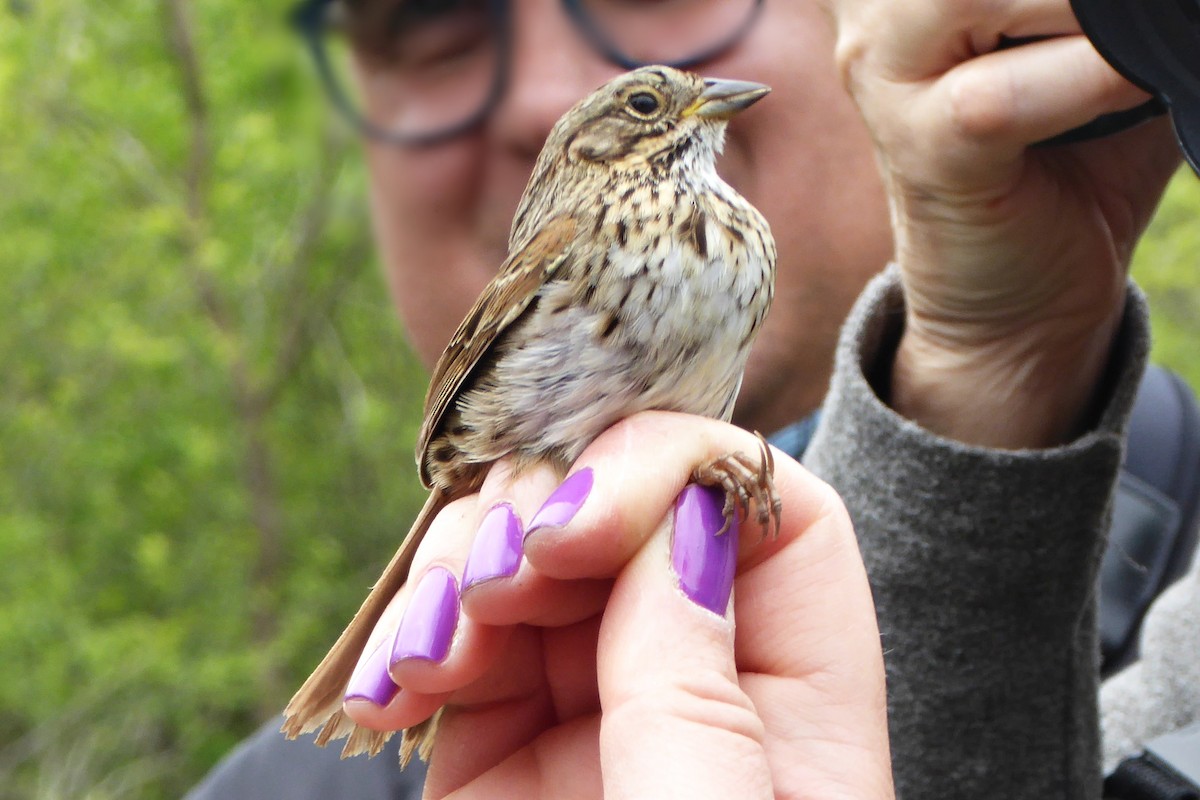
{"type": "Point", "coordinates": [364, 740]}
{"type": "Point", "coordinates": [419, 739]}
{"type": "Point", "coordinates": [318, 703]}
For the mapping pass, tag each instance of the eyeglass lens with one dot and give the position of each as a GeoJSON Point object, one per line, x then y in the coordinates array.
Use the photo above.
{"type": "Point", "coordinates": [415, 67]}
{"type": "Point", "coordinates": [667, 31]}
{"type": "Point", "coordinates": [412, 66]}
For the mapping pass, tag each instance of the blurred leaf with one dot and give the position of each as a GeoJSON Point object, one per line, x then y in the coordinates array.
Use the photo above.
{"type": "Point", "coordinates": [1167, 267]}
{"type": "Point", "coordinates": [207, 412]}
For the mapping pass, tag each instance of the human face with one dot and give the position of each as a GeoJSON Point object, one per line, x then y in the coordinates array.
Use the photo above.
{"type": "Point", "coordinates": [442, 213]}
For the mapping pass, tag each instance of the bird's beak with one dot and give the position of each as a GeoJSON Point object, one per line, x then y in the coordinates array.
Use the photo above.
{"type": "Point", "coordinates": [722, 99]}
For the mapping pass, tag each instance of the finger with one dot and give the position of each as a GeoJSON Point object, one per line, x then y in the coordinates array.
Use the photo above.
{"type": "Point", "coordinates": [912, 42]}
{"type": "Point", "coordinates": [423, 647]}
{"type": "Point", "coordinates": [535, 599]}
{"type": "Point", "coordinates": [499, 587]}
{"type": "Point", "coordinates": [1029, 93]}
{"type": "Point", "coordinates": [561, 762]}
{"type": "Point", "coordinates": [374, 701]}
{"type": "Point", "coordinates": [809, 686]}
{"type": "Point", "coordinates": [809, 651]}
{"type": "Point", "coordinates": [493, 721]}
{"type": "Point", "coordinates": [425, 641]}
{"type": "Point", "coordinates": [945, 103]}
{"type": "Point", "coordinates": [676, 722]}
{"type": "Point", "coordinates": [622, 487]}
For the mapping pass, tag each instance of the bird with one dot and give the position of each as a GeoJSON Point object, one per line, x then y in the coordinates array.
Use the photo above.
{"type": "Point", "coordinates": [636, 279]}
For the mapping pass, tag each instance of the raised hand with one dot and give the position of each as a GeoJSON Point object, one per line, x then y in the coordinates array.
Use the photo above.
{"type": "Point", "coordinates": [1013, 255]}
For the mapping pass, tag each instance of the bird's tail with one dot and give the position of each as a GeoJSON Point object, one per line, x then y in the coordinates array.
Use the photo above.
{"type": "Point", "coordinates": [318, 703]}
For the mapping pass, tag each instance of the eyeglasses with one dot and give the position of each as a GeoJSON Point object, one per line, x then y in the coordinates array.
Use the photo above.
{"type": "Point", "coordinates": [418, 72]}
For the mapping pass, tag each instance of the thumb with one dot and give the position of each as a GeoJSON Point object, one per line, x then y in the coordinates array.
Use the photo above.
{"type": "Point", "coordinates": [675, 721]}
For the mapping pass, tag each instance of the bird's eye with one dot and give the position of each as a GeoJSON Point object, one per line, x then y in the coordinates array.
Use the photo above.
{"type": "Point", "coordinates": [644, 104]}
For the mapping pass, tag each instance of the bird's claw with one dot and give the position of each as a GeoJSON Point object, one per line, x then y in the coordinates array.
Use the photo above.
{"type": "Point", "coordinates": [745, 479]}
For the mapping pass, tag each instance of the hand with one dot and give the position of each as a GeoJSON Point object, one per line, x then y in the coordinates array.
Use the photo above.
{"type": "Point", "coordinates": [1013, 256]}
{"type": "Point", "coordinates": [589, 673]}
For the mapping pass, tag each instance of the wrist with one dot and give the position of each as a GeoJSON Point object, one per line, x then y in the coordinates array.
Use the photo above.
{"type": "Point", "coordinates": [1035, 387]}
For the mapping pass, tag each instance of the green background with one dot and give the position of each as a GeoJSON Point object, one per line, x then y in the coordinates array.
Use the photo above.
{"type": "Point", "coordinates": [207, 408]}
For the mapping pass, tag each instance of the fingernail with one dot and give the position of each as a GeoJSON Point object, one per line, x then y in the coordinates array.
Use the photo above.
{"type": "Point", "coordinates": [371, 681]}
{"type": "Point", "coordinates": [561, 507]}
{"type": "Point", "coordinates": [428, 624]}
{"type": "Point", "coordinates": [704, 562]}
{"type": "Point", "coordinates": [496, 552]}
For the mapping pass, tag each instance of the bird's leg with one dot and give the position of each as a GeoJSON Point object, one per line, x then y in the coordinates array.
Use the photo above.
{"type": "Point", "coordinates": [745, 479]}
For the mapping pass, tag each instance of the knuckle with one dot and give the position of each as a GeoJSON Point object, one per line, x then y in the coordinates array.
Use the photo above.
{"type": "Point", "coordinates": [849, 54]}
{"type": "Point", "coordinates": [697, 697]}
{"type": "Point", "coordinates": [980, 109]}
{"type": "Point", "coordinates": [829, 502]}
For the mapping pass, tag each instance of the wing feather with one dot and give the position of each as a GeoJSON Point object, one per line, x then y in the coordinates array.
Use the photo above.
{"type": "Point", "coordinates": [499, 306]}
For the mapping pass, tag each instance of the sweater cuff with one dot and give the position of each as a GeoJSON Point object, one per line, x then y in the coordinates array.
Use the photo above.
{"type": "Point", "coordinates": [870, 452]}
{"type": "Point", "coordinates": [868, 342]}
{"type": "Point", "coordinates": [983, 565]}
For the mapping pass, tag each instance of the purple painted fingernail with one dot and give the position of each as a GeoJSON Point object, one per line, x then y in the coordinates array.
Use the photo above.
{"type": "Point", "coordinates": [704, 561]}
{"type": "Point", "coordinates": [428, 624]}
{"type": "Point", "coordinates": [496, 552]}
{"type": "Point", "coordinates": [371, 681]}
{"type": "Point", "coordinates": [561, 507]}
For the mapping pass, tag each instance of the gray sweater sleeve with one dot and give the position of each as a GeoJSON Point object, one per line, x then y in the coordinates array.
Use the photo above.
{"type": "Point", "coordinates": [983, 564]}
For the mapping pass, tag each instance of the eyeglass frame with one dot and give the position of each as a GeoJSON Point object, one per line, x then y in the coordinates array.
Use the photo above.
{"type": "Point", "coordinates": [308, 18]}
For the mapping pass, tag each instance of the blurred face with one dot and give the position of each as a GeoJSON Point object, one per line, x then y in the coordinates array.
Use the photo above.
{"type": "Point", "coordinates": [442, 213]}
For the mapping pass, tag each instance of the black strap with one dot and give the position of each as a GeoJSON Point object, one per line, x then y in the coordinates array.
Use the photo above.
{"type": "Point", "coordinates": [1156, 511]}
{"type": "Point", "coordinates": [1144, 778]}
{"type": "Point", "coordinates": [1168, 769]}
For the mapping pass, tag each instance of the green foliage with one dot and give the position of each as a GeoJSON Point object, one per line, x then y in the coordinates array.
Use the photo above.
{"type": "Point", "coordinates": [1167, 266]}
{"type": "Point", "coordinates": [207, 410]}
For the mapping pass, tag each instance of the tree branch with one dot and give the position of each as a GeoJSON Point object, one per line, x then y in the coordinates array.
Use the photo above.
{"type": "Point", "coordinates": [298, 303]}
{"type": "Point", "coordinates": [299, 338]}
{"type": "Point", "coordinates": [180, 44]}
{"type": "Point", "coordinates": [266, 515]}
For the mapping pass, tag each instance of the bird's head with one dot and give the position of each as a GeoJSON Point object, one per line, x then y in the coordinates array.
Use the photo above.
{"type": "Point", "coordinates": [641, 128]}
{"type": "Point", "coordinates": [650, 117]}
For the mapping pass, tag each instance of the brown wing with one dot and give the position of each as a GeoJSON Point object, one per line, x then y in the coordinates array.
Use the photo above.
{"type": "Point", "coordinates": [500, 304]}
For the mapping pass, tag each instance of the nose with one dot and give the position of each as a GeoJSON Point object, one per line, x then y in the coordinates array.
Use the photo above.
{"type": "Point", "coordinates": [551, 69]}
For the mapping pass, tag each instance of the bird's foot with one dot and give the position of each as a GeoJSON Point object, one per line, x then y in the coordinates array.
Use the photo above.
{"type": "Point", "coordinates": [745, 480]}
